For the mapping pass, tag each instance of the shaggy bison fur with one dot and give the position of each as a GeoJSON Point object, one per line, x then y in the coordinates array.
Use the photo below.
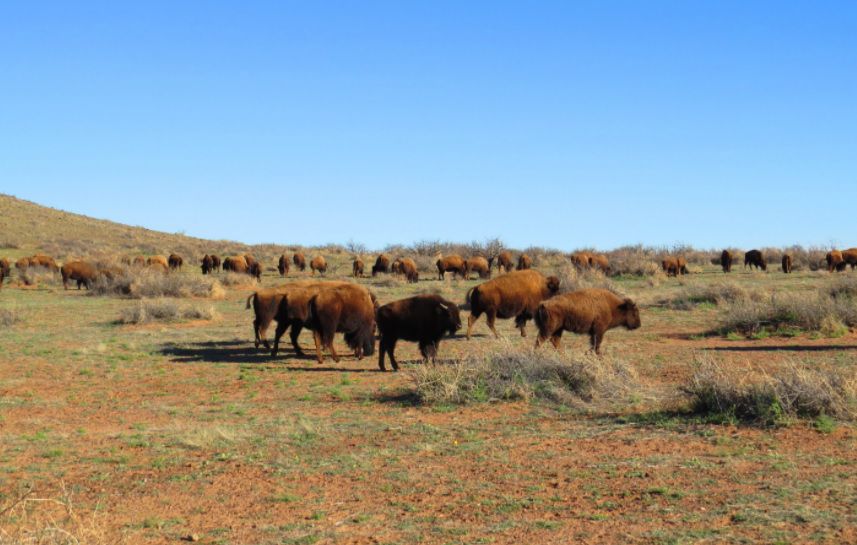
{"type": "Point", "coordinates": [283, 265]}
{"type": "Point", "coordinates": [357, 267]}
{"type": "Point", "coordinates": [590, 312]}
{"type": "Point", "coordinates": [525, 262]}
{"type": "Point", "coordinates": [408, 267]}
{"type": "Point", "coordinates": [175, 261]}
{"type": "Point", "coordinates": [424, 319]}
{"type": "Point", "coordinates": [787, 263]}
{"type": "Point", "coordinates": [347, 309]}
{"type": "Point", "coordinates": [513, 295]}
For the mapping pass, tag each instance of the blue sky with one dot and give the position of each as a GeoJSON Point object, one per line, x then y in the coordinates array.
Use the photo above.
{"type": "Point", "coordinates": [560, 124]}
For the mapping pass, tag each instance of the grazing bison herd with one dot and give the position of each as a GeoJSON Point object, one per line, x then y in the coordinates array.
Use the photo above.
{"type": "Point", "coordinates": [328, 307]}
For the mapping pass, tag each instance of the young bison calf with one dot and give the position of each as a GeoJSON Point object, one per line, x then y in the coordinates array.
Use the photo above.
{"type": "Point", "coordinates": [591, 311]}
{"type": "Point", "coordinates": [423, 318]}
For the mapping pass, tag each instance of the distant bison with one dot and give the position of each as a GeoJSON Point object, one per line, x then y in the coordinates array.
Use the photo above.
{"type": "Point", "coordinates": [215, 262]}
{"type": "Point", "coordinates": [513, 295]}
{"type": "Point", "coordinates": [139, 261]}
{"type": "Point", "coordinates": [477, 264]}
{"type": "Point", "coordinates": [41, 260]}
{"type": "Point", "coordinates": [726, 259]}
{"type": "Point", "coordinates": [283, 265]}
{"type": "Point", "coordinates": [158, 260]}
{"type": "Point", "coordinates": [255, 269]}
{"type": "Point", "coordinates": [319, 264]}
{"type": "Point", "coordinates": [236, 264]}
{"type": "Point", "coordinates": [396, 267]}
{"type": "Point", "coordinates": [451, 263]}
{"type": "Point", "coordinates": [787, 263]}
{"type": "Point", "coordinates": [754, 258]}
{"type": "Point", "coordinates": [357, 267]}
{"type": "Point", "coordinates": [82, 272]}
{"type": "Point", "coordinates": [504, 262]}
{"type": "Point", "coordinates": [249, 259]}
{"type": "Point", "coordinates": [175, 261]}
{"type": "Point", "coordinates": [5, 269]}
{"type": "Point", "coordinates": [835, 261]}
{"type": "Point", "coordinates": [849, 256]}
{"type": "Point", "coordinates": [525, 262]}
{"type": "Point", "coordinates": [300, 261]}
{"type": "Point", "coordinates": [600, 262]}
{"type": "Point", "coordinates": [424, 319]}
{"type": "Point", "coordinates": [591, 311]}
{"type": "Point", "coordinates": [581, 260]}
{"type": "Point", "coordinates": [681, 262]}
{"type": "Point", "coordinates": [347, 309]}
{"type": "Point", "coordinates": [382, 264]}
{"type": "Point", "coordinates": [207, 265]}
{"type": "Point", "coordinates": [670, 266]}
{"type": "Point", "coordinates": [408, 267]}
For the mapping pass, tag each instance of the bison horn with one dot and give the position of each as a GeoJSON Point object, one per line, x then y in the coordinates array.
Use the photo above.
{"type": "Point", "coordinates": [444, 307]}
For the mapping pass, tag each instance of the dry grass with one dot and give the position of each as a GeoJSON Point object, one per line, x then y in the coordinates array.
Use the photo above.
{"type": "Point", "coordinates": [717, 293]}
{"type": "Point", "coordinates": [794, 391]}
{"type": "Point", "coordinates": [166, 310]}
{"type": "Point", "coordinates": [634, 261]}
{"type": "Point", "coordinates": [789, 312]}
{"type": "Point", "coordinates": [38, 276]}
{"type": "Point", "coordinates": [145, 283]}
{"type": "Point", "coordinates": [573, 279]}
{"type": "Point", "coordinates": [9, 317]}
{"type": "Point", "coordinates": [237, 280]}
{"type": "Point", "coordinates": [513, 374]}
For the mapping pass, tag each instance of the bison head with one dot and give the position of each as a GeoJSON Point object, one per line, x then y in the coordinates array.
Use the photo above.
{"type": "Point", "coordinates": [553, 284]}
{"type": "Point", "coordinates": [631, 314]}
{"type": "Point", "coordinates": [452, 317]}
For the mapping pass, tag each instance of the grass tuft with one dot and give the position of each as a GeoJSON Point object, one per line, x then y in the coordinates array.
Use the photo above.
{"type": "Point", "coordinates": [165, 310]}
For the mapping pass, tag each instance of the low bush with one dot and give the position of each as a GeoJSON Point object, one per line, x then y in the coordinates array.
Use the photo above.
{"type": "Point", "coordinates": [573, 279]}
{"type": "Point", "coordinates": [165, 310]}
{"type": "Point", "coordinates": [786, 312]}
{"type": "Point", "coordinates": [718, 293]}
{"type": "Point", "coordinates": [145, 283]}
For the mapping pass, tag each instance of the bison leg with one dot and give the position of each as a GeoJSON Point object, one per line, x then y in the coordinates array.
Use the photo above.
{"type": "Point", "coordinates": [329, 344]}
{"type": "Point", "coordinates": [296, 331]}
{"type": "Point", "coordinates": [491, 317]}
{"type": "Point", "coordinates": [596, 336]}
{"type": "Point", "coordinates": [388, 346]}
{"type": "Point", "coordinates": [470, 321]}
{"type": "Point", "coordinates": [556, 338]}
{"type": "Point", "coordinates": [316, 336]}
{"type": "Point", "coordinates": [281, 328]}
{"type": "Point", "coordinates": [428, 349]}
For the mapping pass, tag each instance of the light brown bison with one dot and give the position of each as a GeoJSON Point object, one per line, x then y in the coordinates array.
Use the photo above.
{"type": "Point", "coordinates": [477, 264]}
{"type": "Point", "coordinates": [504, 262]}
{"type": "Point", "coordinates": [22, 263]}
{"type": "Point", "coordinates": [125, 260]}
{"type": "Point", "coordinates": [139, 261]}
{"type": "Point", "coordinates": [726, 259]}
{"type": "Point", "coordinates": [581, 260]}
{"type": "Point", "coordinates": [451, 263]}
{"type": "Point", "coordinates": [396, 267]}
{"type": "Point", "coordinates": [300, 261]}
{"type": "Point", "coordinates": [754, 258]}
{"type": "Point", "coordinates": [835, 261]}
{"type": "Point", "coordinates": [157, 266]}
{"type": "Point", "coordinates": [670, 266]}
{"type": "Point", "coordinates": [159, 260]}
{"type": "Point", "coordinates": [283, 265]}
{"type": "Point", "coordinates": [587, 312]}
{"type": "Point", "coordinates": [525, 262]}
{"type": "Point", "coordinates": [175, 261]}
{"type": "Point", "coordinates": [250, 260]}
{"type": "Point", "coordinates": [424, 319]}
{"type": "Point", "coordinates": [207, 264]}
{"type": "Point", "coordinates": [849, 256]}
{"type": "Point", "coordinates": [513, 295]}
{"type": "Point", "coordinates": [41, 260]}
{"type": "Point", "coordinates": [215, 263]}
{"type": "Point", "coordinates": [236, 263]}
{"type": "Point", "coordinates": [357, 267]}
{"type": "Point", "coordinates": [408, 267]}
{"type": "Point", "coordinates": [82, 272]}
{"type": "Point", "coordinates": [681, 263]}
{"type": "Point", "coordinates": [5, 269]}
{"type": "Point", "coordinates": [382, 264]}
{"type": "Point", "coordinates": [347, 309]}
{"type": "Point", "coordinates": [787, 263]}
{"type": "Point", "coordinates": [319, 264]}
{"type": "Point", "coordinates": [600, 262]}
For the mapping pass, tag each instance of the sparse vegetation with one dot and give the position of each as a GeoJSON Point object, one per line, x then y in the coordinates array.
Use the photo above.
{"type": "Point", "coordinates": [145, 283]}
{"type": "Point", "coordinates": [166, 310]}
{"type": "Point", "coordinates": [784, 312]}
{"type": "Point", "coordinates": [9, 316]}
{"type": "Point", "coordinates": [717, 293]}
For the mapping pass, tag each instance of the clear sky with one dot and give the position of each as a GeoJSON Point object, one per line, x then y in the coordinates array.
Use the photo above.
{"type": "Point", "coordinates": [563, 124]}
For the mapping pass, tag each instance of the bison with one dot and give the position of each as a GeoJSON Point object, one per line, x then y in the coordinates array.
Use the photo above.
{"type": "Point", "coordinates": [670, 266]}
{"type": "Point", "coordinates": [525, 262]}
{"type": "Point", "coordinates": [40, 260]}
{"type": "Point", "coordinates": [300, 261]}
{"type": "Point", "coordinates": [726, 259]}
{"type": "Point", "coordinates": [754, 258]}
{"type": "Point", "coordinates": [835, 261]}
{"type": "Point", "coordinates": [591, 311]}
{"type": "Point", "coordinates": [250, 260]}
{"type": "Point", "coordinates": [396, 267]}
{"type": "Point", "coordinates": [158, 260]}
{"type": "Point", "coordinates": [207, 264]}
{"type": "Point", "coordinates": [139, 261]}
{"type": "Point", "coordinates": [451, 263]}
{"type": "Point", "coordinates": [82, 272]}
{"type": "Point", "coordinates": [581, 260]}
{"type": "Point", "coordinates": [787, 263]}
{"type": "Point", "coordinates": [215, 262]}
{"type": "Point", "coordinates": [347, 309]}
{"type": "Point", "coordinates": [477, 264]}
{"type": "Point", "coordinates": [424, 319]}
{"type": "Point", "coordinates": [283, 265]}
{"type": "Point", "coordinates": [382, 264]}
{"type": "Point", "coordinates": [504, 262]}
{"type": "Point", "coordinates": [681, 263]}
{"type": "Point", "coordinates": [175, 261]}
{"type": "Point", "coordinates": [516, 294]}
{"type": "Point", "coordinates": [408, 267]}
{"type": "Point", "coordinates": [319, 264]}
{"type": "Point", "coordinates": [255, 270]}
{"type": "Point", "coordinates": [236, 264]}
{"type": "Point", "coordinates": [357, 267]}
{"type": "Point", "coordinates": [5, 269]}
{"type": "Point", "coordinates": [849, 256]}
{"type": "Point", "coordinates": [600, 262]}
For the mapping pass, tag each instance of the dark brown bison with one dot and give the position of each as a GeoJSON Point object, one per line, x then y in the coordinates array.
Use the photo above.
{"type": "Point", "coordinates": [347, 309]}
{"type": "Point", "coordinates": [283, 265]}
{"type": "Point", "coordinates": [158, 260]}
{"type": "Point", "coordinates": [175, 261]}
{"type": "Point", "coordinates": [207, 264]}
{"type": "Point", "coordinates": [835, 261]}
{"type": "Point", "coordinates": [289, 305]}
{"type": "Point", "coordinates": [849, 256]}
{"type": "Point", "coordinates": [250, 260]}
{"type": "Point", "coordinates": [255, 270]}
{"type": "Point", "coordinates": [754, 258]}
{"type": "Point", "coordinates": [396, 267]}
{"type": "Point", "coordinates": [82, 272]}
{"type": "Point", "coordinates": [319, 264]}
{"type": "Point", "coordinates": [787, 263]}
{"type": "Point", "coordinates": [726, 259]}
{"type": "Point", "coordinates": [382, 264]}
{"type": "Point", "coordinates": [477, 264]}
{"type": "Point", "coordinates": [357, 267]}
{"type": "Point", "coordinates": [451, 263]}
{"type": "Point", "coordinates": [408, 267]}
{"type": "Point", "coordinates": [424, 319]}
{"type": "Point", "coordinates": [591, 311]}
{"type": "Point", "coordinates": [235, 263]}
{"type": "Point", "coordinates": [525, 262]}
{"type": "Point", "coordinates": [215, 263]}
{"type": "Point", "coordinates": [504, 262]}
{"type": "Point", "coordinates": [300, 261]}
{"type": "Point", "coordinates": [513, 295]}
{"type": "Point", "coordinates": [670, 266]}
{"type": "Point", "coordinates": [5, 269]}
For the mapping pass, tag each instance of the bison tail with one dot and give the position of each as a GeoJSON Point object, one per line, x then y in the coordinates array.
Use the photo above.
{"type": "Point", "coordinates": [541, 317]}
{"type": "Point", "coordinates": [252, 295]}
{"type": "Point", "coordinates": [469, 294]}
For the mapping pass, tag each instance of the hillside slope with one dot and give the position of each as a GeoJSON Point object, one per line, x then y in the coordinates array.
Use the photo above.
{"type": "Point", "coordinates": [30, 227]}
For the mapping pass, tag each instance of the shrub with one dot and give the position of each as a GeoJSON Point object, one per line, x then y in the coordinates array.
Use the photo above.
{"type": "Point", "coordinates": [165, 310]}
{"type": "Point", "coordinates": [36, 276]}
{"type": "Point", "coordinates": [795, 390]}
{"type": "Point", "coordinates": [718, 293]}
{"type": "Point", "coordinates": [233, 279]}
{"type": "Point", "coordinates": [9, 317]}
{"type": "Point", "coordinates": [144, 283]}
{"type": "Point", "coordinates": [514, 374]}
{"type": "Point", "coordinates": [808, 312]}
{"type": "Point", "coordinates": [572, 279]}
{"type": "Point", "coordinates": [634, 261]}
